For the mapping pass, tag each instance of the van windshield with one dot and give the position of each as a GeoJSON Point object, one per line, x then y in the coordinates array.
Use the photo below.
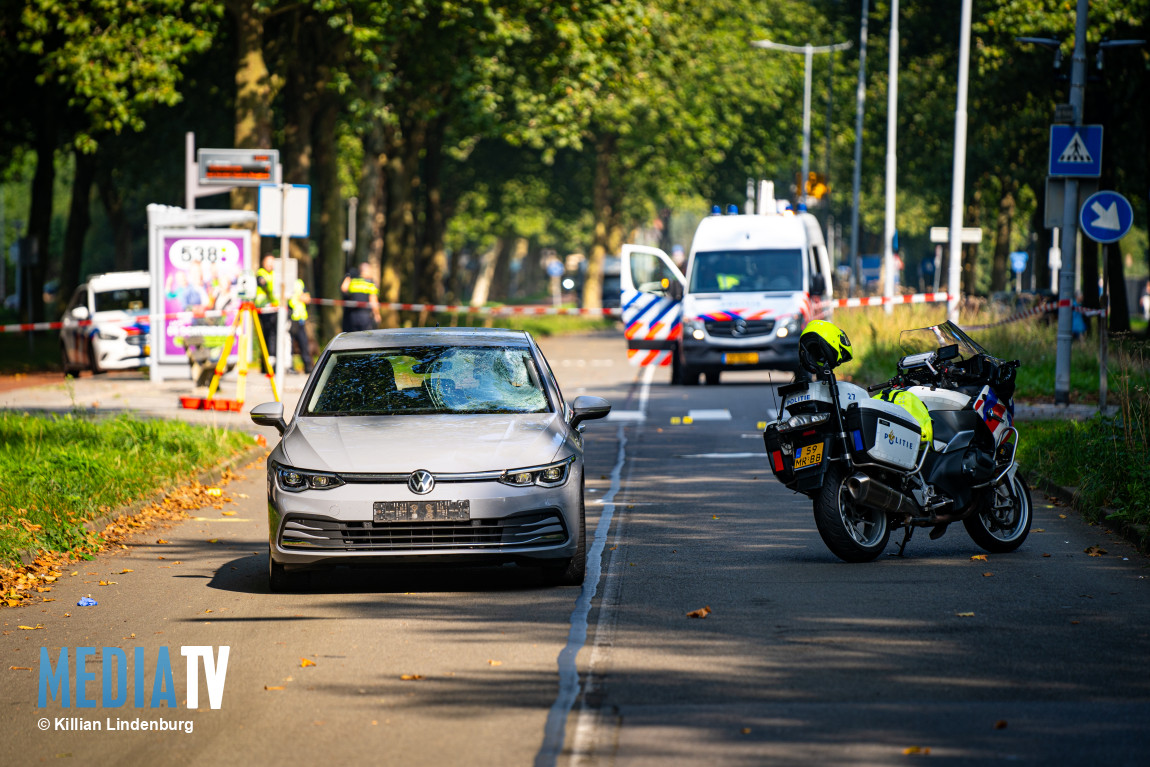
{"type": "Point", "coordinates": [741, 271]}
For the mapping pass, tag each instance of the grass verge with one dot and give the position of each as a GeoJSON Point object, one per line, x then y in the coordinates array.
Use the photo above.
{"type": "Point", "coordinates": [63, 471]}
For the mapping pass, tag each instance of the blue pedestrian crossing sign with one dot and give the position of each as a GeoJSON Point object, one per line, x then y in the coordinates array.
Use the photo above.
{"type": "Point", "coordinates": [1076, 151]}
{"type": "Point", "coordinates": [1106, 217]}
{"type": "Point", "coordinates": [1018, 261]}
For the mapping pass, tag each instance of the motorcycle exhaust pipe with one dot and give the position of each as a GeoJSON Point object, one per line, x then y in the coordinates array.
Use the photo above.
{"type": "Point", "coordinates": [871, 492]}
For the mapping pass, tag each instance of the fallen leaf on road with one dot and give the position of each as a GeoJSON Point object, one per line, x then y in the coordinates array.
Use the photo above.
{"type": "Point", "coordinates": [213, 540]}
{"type": "Point", "coordinates": [1046, 555]}
{"type": "Point", "coordinates": [1000, 724]}
{"type": "Point", "coordinates": [1062, 516]}
{"type": "Point", "coordinates": [714, 516]}
{"type": "Point", "coordinates": [746, 730]}
{"type": "Point", "coordinates": [19, 668]}
{"type": "Point", "coordinates": [912, 750]}
{"type": "Point", "coordinates": [30, 628]}
{"type": "Point", "coordinates": [241, 495]}
{"type": "Point", "coordinates": [410, 677]}
{"type": "Point", "coordinates": [987, 575]}
{"type": "Point", "coordinates": [965, 615]}
{"type": "Point", "coordinates": [1094, 551]}
{"type": "Point", "coordinates": [494, 662]}
{"type": "Point", "coordinates": [304, 662]}
{"type": "Point", "coordinates": [978, 558]}
{"type": "Point", "coordinates": [273, 687]}
{"type": "Point", "coordinates": [109, 583]}
{"type": "Point", "coordinates": [1038, 530]}
{"type": "Point", "coordinates": [213, 491]}
{"type": "Point", "coordinates": [161, 541]}
{"type": "Point", "coordinates": [74, 572]}
{"type": "Point", "coordinates": [228, 513]}
{"type": "Point", "coordinates": [1072, 623]}
{"type": "Point", "coordinates": [126, 570]}
{"type": "Point", "coordinates": [702, 612]}
{"type": "Point", "coordinates": [207, 611]}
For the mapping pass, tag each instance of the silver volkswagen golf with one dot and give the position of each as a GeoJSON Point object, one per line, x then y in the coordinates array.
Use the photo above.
{"type": "Point", "coordinates": [421, 445]}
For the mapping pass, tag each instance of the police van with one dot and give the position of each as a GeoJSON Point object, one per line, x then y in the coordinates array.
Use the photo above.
{"type": "Point", "coordinates": [752, 283]}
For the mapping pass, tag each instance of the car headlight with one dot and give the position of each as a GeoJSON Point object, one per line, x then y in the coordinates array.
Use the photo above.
{"type": "Point", "coordinates": [694, 328]}
{"type": "Point", "coordinates": [297, 480]}
{"type": "Point", "coordinates": [107, 335]}
{"type": "Point", "coordinates": [550, 475]}
{"type": "Point", "coordinates": [791, 327]}
{"type": "Point", "coordinates": [802, 421]}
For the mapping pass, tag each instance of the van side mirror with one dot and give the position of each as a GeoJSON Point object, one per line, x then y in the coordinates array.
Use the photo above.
{"type": "Point", "coordinates": [818, 283]}
{"type": "Point", "coordinates": [675, 290]}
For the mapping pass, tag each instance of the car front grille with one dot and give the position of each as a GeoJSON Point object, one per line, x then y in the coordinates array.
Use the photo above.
{"type": "Point", "coordinates": [529, 530]}
{"type": "Point", "coordinates": [735, 329]}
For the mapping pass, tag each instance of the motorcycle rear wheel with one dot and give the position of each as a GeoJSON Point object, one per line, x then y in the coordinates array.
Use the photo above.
{"type": "Point", "coordinates": [1003, 529]}
{"type": "Point", "coordinates": [852, 532]}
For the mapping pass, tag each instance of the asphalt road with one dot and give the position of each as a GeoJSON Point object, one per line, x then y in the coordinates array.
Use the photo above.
{"type": "Point", "coordinates": [802, 659]}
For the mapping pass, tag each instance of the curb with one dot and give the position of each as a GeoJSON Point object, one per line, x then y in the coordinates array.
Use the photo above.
{"type": "Point", "coordinates": [1136, 534]}
{"type": "Point", "coordinates": [209, 477]}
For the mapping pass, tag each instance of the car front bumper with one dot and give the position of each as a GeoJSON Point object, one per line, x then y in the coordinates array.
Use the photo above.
{"type": "Point", "coordinates": [336, 526]}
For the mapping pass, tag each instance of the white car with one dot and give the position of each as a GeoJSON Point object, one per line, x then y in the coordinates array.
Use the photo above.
{"type": "Point", "coordinates": [105, 326]}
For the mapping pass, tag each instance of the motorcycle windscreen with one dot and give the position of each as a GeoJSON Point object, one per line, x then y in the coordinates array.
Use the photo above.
{"type": "Point", "coordinates": [652, 315]}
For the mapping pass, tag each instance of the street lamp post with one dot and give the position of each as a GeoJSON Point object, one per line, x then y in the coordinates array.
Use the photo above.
{"type": "Point", "coordinates": [808, 52]}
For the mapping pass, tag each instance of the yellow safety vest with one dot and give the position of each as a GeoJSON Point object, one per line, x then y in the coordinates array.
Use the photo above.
{"type": "Point", "coordinates": [265, 294]}
{"type": "Point", "coordinates": [360, 285]}
{"type": "Point", "coordinates": [297, 304]}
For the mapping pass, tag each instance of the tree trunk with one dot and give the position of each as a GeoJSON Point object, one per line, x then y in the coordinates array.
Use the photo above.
{"type": "Point", "coordinates": [486, 273]}
{"type": "Point", "coordinates": [970, 252]}
{"type": "Point", "coordinates": [434, 252]}
{"type": "Point", "coordinates": [40, 224]}
{"type": "Point", "coordinates": [330, 259]}
{"type": "Point", "coordinates": [998, 270]}
{"type": "Point", "coordinates": [371, 200]}
{"type": "Point", "coordinates": [113, 203]}
{"type": "Point", "coordinates": [254, 89]}
{"type": "Point", "coordinates": [1119, 306]}
{"type": "Point", "coordinates": [300, 95]}
{"type": "Point", "coordinates": [79, 219]}
{"type": "Point", "coordinates": [606, 221]}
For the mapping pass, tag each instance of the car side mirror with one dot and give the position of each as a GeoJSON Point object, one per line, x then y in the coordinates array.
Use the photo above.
{"type": "Point", "coordinates": [675, 290]}
{"type": "Point", "coordinates": [584, 408]}
{"type": "Point", "coordinates": [818, 283]}
{"type": "Point", "coordinates": [80, 313]}
{"type": "Point", "coordinates": [270, 414]}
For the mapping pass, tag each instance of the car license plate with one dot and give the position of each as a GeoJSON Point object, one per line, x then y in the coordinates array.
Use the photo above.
{"type": "Point", "coordinates": [810, 455]}
{"type": "Point", "coordinates": [741, 358]}
{"type": "Point", "coordinates": [421, 511]}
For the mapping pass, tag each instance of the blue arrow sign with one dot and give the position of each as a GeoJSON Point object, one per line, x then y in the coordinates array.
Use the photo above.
{"type": "Point", "coordinates": [1106, 217]}
{"type": "Point", "coordinates": [1076, 150]}
{"type": "Point", "coordinates": [1018, 261]}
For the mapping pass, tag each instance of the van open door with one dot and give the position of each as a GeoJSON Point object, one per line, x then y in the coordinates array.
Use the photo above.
{"type": "Point", "coordinates": [652, 288]}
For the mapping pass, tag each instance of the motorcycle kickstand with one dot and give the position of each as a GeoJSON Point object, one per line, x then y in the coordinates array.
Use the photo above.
{"type": "Point", "coordinates": [905, 540]}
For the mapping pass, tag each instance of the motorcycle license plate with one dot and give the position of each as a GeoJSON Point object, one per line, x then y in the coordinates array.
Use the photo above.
{"type": "Point", "coordinates": [808, 455]}
{"type": "Point", "coordinates": [741, 358]}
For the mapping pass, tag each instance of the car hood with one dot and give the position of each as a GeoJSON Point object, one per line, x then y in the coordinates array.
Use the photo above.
{"type": "Point", "coordinates": [437, 443]}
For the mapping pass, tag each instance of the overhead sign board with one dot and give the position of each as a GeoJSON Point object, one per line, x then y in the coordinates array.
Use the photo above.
{"type": "Point", "coordinates": [237, 167]}
{"type": "Point", "coordinates": [971, 235]}
{"type": "Point", "coordinates": [1106, 217]}
{"type": "Point", "coordinates": [274, 210]}
{"type": "Point", "coordinates": [1076, 150]}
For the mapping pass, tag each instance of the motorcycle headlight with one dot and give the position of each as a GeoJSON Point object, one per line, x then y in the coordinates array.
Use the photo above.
{"type": "Point", "coordinates": [297, 480]}
{"type": "Point", "coordinates": [549, 475]}
{"type": "Point", "coordinates": [802, 421]}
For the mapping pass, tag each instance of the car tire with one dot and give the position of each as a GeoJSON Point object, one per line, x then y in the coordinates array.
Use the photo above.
{"type": "Point", "coordinates": [284, 581]}
{"type": "Point", "coordinates": [571, 572]}
{"type": "Point", "coordinates": [713, 377]}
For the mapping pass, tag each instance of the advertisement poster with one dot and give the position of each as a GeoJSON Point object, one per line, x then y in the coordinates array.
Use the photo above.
{"type": "Point", "coordinates": [200, 274]}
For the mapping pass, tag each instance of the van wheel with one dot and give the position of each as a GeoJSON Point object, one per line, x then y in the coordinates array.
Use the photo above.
{"type": "Point", "coordinates": [713, 377]}
{"type": "Point", "coordinates": [688, 376]}
{"type": "Point", "coordinates": [676, 370]}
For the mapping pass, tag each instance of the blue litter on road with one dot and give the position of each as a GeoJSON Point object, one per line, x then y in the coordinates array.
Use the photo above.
{"type": "Point", "coordinates": [87, 602]}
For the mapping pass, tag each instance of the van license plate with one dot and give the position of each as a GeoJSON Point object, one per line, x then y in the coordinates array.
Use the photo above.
{"type": "Point", "coordinates": [741, 358]}
{"type": "Point", "coordinates": [810, 455]}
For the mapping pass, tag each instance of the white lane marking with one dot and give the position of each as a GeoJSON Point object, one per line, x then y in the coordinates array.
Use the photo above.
{"type": "Point", "coordinates": [722, 455]}
{"type": "Point", "coordinates": [721, 414]}
{"type": "Point", "coordinates": [555, 730]}
{"type": "Point", "coordinates": [626, 415]}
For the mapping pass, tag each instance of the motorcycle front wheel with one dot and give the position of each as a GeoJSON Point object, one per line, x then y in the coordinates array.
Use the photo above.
{"type": "Point", "coordinates": [852, 532]}
{"type": "Point", "coordinates": [1003, 521]}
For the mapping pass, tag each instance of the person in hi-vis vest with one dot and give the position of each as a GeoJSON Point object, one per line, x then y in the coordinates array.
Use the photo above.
{"type": "Point", "coordinates": [266, 297]}
{"type": "Point", "coordinates": [298, 305]}
{"type": "Point", "coordinates": [359, 286]}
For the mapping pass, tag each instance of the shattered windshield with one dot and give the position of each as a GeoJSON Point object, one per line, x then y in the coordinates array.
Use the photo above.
{"type": "Point", "coordinates": [937, 336]}
{"type": "Point", "coordinates": [429, 380]}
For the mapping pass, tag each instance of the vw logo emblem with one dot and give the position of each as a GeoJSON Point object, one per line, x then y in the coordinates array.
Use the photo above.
{"type": "Point", "coordinates": [420, 482]}
{"type": "Point", "coordinates": [739, 328]}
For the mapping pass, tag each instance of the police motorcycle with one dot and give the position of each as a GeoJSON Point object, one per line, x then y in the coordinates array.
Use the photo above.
{"type": "Point", "coordinates": [936, 445]}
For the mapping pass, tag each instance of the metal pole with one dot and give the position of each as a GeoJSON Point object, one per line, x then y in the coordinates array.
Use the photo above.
{"type": "Point", "coordinates": [809, 54]}
{"type": "Point", "coordinates": [958, 182]}
{"type": "Point", "coordinates": [1070, 222]}
{"type": "Point", "coordinates": [283, 351]}
{"type": "Point", "coordinates": [191, 171]}
{"type": "Point", "coordinates": [1103, 330]}
{"type": "Point", "coordinates": [891, 142]}
{"type": "Point", "coordinates": [860, 100]}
